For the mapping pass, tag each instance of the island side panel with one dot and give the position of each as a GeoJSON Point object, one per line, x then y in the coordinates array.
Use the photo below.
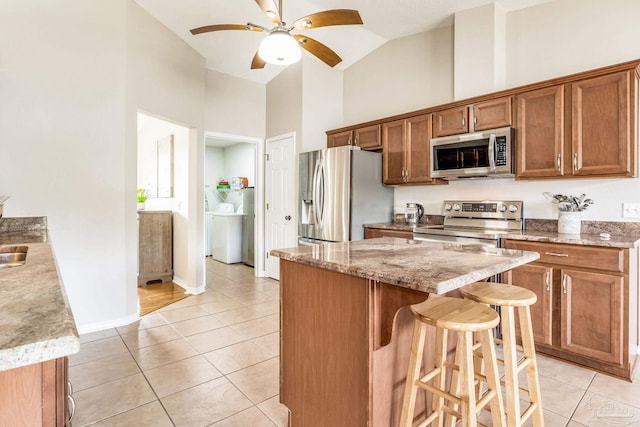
{"type": "Point", "coordinates": [326, 343]}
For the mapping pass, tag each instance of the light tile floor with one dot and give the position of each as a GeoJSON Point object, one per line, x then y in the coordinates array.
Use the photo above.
{"type": "Point", "coordinates": [212, 360]}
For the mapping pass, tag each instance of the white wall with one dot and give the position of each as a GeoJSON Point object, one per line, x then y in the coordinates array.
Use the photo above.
{"type": "Point", "coordinates": [284, 103]}
{"type": "Point", "coordinates": [214, 166]}
{"type": "Point", "coordinates": [167, 79]}
{"type": "Point", "coordinates": [239, 160]}
{"type": "Point", "coordinates": [545, 41]}
{"type": "Point", "coordinates": [403, 75]}
{"type": "Point", "coordinates": [235, 106]}
{"type": "Point", "coordinates": [62, 109]}
{"type": "Point", "coordinates": [321, 102]}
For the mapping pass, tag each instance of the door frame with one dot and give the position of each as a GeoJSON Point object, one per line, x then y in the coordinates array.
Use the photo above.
{"type": "Point", "coordinates": [259, 268]}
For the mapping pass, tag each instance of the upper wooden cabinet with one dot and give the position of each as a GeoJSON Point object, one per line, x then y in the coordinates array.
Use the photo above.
{"type": "Point", "coordinates": [540, 133]}
{"type": "Point", "coordinates": [405, 151]}
{"type": "Point", "coordinates": [601, 125]}
{"type": "Point", "coordinates": [367, 138]}
{"type": "Point", "coordinates": [585, 128]}
{"type": "Point", "coordinates": [485, 115]}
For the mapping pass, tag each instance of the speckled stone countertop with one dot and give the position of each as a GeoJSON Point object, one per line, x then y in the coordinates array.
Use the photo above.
{"type": "Point", "coordinates": [37, 324]}
{"type": "Point", "coordinates": [621, 234]}
{"type": "Point", "coordinates": [425, 266]}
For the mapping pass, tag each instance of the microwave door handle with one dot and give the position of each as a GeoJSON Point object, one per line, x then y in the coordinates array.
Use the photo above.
{"type": "Point", "coordinates": [492, 152]}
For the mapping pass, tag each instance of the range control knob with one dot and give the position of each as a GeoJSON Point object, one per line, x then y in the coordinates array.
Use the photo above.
{"type": "Point", "coordinates": [456, 207]}
{"type": "Point", "coordinates": [503, 208]}
{"type": "Point", "coordinates": [513, 208]}
{"type": "Point", "coordinates": [447, 207]}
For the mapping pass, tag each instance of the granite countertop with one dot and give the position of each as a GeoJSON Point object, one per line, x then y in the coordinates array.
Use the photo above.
{"type": "Point", "coordinates": [622, 235]}
{"type": "Point", "coordinates": [37, 323]}
{"type": "Point", "coordinates": [425, 266]}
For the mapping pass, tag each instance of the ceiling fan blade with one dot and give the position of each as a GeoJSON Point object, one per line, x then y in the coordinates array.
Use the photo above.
{"type": "Point", "coordinates": [221, 27]}
{"type": "Point", "coordinates": [328, 17]}
{"type": "Point", "coordinates": [257, 62]}
{"type": "Point", "coordinates": [270, 9]}
{"type": "Point", "coordinates": [316, 48]}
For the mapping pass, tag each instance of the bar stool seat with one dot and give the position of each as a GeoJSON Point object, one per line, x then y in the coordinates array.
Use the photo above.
{"type": "Point", "coordinates": [465, 317]}
{"type": "Point", "coordinates": [508, 298]}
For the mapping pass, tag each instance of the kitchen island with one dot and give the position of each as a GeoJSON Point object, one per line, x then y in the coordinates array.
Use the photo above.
{"type": "Point", "coordinates": [346, 325]}
{"type": "Point", "coordinates": [38, 332]}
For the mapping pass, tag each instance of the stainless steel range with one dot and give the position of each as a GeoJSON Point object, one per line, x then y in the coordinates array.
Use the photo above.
{"type": "Point", "coordinates": [474, 222]}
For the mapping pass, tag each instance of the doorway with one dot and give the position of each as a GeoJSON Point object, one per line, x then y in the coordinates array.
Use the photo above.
{"type": "Point", "coordinates": [233, 178]}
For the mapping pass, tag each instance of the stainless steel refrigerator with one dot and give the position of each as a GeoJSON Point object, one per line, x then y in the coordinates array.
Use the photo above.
{"type": "Point", "coordinates": [340, 190]}
{"type": "Point", "coordinates": [248, 219]}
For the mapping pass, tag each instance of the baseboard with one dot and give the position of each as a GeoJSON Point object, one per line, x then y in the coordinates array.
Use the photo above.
{"type": "Point", "coordinates": [113, 323]}
{"type": "Point", "coordinates": [193, 290]}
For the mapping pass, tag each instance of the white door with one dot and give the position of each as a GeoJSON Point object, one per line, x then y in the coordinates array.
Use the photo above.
{"type": "Point", "coordinates": [280, 199]}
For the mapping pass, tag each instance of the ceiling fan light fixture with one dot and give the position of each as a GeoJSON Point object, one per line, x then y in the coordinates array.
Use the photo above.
{"type": "Point", "coordinates": [280, 48]}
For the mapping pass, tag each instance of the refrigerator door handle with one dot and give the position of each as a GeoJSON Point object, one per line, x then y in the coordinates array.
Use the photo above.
{"type": "Point", "coordinates": [315, 195]}
{"type": "Point", "coordinates": [321, 212]}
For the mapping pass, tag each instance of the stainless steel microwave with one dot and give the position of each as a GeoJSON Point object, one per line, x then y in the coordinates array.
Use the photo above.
{"type": "Point", "coordinates": [486, 154]}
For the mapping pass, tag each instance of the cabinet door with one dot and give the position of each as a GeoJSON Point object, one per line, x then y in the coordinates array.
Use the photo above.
{"type": "Point", "coordinates": [155, 254]}
{"type": "Point", "coordinates": [601, 126]}
{"type": "Point", "coordinates": [368, 138]}
{"type": "Point", "coordinates": [540, 134]}
{"type": "Point", "coordinates": [393, 152]}
{"type": "Point", "coordinates": [492, 114]}
{"type": "Point", "coordinates": [592, 315]}
{"type": "Point", "coordinates": [538, 279]}
{"type": "Point", "coordinates": [339, 139]}
{"type": "Point", "coordinates": [417, 147]}
{"type": "Point", "coordinates": [451, 122]}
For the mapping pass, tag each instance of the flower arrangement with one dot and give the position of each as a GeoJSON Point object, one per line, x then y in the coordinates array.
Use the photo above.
{"type": "Point", "coordinates": [142, 195]}
{"type": "Point", "coordinates": [569, 203]}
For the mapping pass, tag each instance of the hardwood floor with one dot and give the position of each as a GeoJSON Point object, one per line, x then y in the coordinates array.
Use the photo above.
{"type": "Point", "coordinates": [157, 295]}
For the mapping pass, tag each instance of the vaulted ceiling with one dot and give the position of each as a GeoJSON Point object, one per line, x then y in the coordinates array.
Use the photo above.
{"type": "Point", "coordinates": [231, 52]}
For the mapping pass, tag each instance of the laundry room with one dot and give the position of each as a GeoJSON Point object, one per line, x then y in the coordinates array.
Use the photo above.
{"type": "Point", "coordinates": [229, 200]}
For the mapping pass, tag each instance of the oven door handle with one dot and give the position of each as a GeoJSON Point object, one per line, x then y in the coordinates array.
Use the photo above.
{"type": "Point", "coordinates": [492, 152]}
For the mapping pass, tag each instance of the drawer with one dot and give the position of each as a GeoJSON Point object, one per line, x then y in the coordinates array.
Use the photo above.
{"type": "Point", "coordinates": [611, 259]}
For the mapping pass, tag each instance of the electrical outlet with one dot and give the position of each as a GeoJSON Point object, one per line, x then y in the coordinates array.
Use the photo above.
{"type": "Point", "coordinates": [631, 210]}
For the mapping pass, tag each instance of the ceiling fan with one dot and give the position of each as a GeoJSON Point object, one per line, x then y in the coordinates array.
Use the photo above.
{"type": "Point", "coordinates": [280, 46]}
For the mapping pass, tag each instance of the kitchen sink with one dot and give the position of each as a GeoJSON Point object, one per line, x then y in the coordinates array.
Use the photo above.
{"type": "Point", "coordinates": [13, 256]}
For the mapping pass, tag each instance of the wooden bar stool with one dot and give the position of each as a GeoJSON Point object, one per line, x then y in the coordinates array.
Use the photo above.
{"type": "Point", "coordinates": [508, 297]}
{"type": "Point", "coordinates": [465, 317]}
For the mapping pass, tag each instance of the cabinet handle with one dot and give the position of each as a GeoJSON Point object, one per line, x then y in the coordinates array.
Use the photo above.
{"type": "Point", "coordinates": [463, 121]}
{"type": "Point", "coordinates": [475, 120]}
{"type": "Point", "coordinates": [575, 162]}
{"type": "Point", "coordinates": [349, 141]}
{"type": "Point", "coordinates": [555, 254]}
{"type": "Point", "coordinates": [547, 280]}
{"type": "Point", "coordinates": [564, 283]}
{"type": "Point", "coordinates": [356, 140]}
{"type": "Point", "coordinates": [559, 163]}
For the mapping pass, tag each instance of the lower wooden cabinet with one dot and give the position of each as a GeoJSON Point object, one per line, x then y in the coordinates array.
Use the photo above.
{"type": "Point", "coordinates": [37, 395]}
{"type": "Point", "coordinates": [586, 312]}
{"type": "Point", "coordinates": [372, 233]}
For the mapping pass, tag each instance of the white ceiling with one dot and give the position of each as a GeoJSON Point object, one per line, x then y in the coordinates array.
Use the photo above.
{"type": "Point", "coordinates": [231, 52]}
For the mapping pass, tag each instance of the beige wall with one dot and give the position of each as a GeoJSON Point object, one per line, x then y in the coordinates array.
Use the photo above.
{"type": "Point", "coordinates": [235, 106]}
{"type": "Point", "coordinates": [551, 40]}
{"type": "Point", "coordinates": [284, 103]}
{"type": "Point", "coordinates": [403, 75]}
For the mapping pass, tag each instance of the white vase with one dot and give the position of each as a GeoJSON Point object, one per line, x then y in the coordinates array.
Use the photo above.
{"type": "Point", "coordinates": [569, 222]}
{"type": "Point", "coordinates": [140, 206]}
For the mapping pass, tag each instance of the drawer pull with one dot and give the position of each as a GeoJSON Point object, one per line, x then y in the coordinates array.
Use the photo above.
{"type": "Point", "coordinates": [564, 283]}
{"type": "Point", "coordinates": [547, 280]}
{"type": "Point", "coordinates": [555, 254]}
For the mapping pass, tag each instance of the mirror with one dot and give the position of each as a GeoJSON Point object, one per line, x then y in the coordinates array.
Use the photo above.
{"type": "Point", "coordinates": [164, 158]}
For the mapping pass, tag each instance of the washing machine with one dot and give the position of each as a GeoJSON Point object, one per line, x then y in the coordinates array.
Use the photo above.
{"type": "Point", "coordinates": [226, 236]}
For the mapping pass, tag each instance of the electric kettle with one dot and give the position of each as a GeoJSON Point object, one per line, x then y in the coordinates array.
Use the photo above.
{"type": "Point", "coordinates": [413, 213]}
